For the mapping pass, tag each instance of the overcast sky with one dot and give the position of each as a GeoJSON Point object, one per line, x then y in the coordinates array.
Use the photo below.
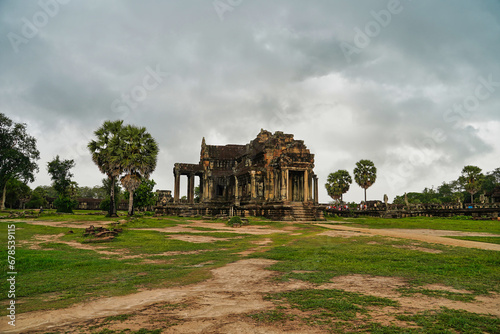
{"type": "Point", "coordinates": [413, 86]}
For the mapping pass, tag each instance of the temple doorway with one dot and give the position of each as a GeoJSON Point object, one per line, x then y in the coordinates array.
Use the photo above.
{"type": "Point", "coordinates": [297, 184]}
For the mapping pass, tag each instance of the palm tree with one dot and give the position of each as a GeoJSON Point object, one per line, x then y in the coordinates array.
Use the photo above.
{"type": "Point", "coordinates": [365, 174]}
{"type": "Point", "coordinates": [471, 179]}
{"type": "Point", "coordinates": [137, 158]}
{"type": "Point", "coordinates": [338, 184]}
{"type": "Point", "coordinates": [105, 150]}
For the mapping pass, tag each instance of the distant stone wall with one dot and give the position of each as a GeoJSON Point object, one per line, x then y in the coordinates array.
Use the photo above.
{"type": "Point", "coordinates": [88, 204]}
{"type": "Point", "coordinates": [422, 210]}
{"type": "Point", "coordinates": [274, 211]}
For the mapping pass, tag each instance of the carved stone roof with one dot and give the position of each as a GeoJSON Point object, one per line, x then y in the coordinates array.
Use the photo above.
{"type": "Point", "coordinates": [266, 150]}
{"type": "Point", "coordinates": [226, 152]}
{"type": "Point", "coordinates": [184, 168]}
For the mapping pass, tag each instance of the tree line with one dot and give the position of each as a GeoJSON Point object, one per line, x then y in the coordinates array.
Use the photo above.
{"type": "Point", "coordinates": [339, 182]}
{"type": "Point", "coordinates": [463, 189]}
{"type": "Point", "coordinates": [122, 152]}
{"type": "Point", "coordinates": [471, 181]}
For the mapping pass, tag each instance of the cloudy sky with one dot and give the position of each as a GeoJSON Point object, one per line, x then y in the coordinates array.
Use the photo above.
{"type": "Point", "coordinates": [413, 86]}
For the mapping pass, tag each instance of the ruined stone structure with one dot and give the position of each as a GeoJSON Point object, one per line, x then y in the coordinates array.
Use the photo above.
{"type": "Point", "coordinates": [271, 176]}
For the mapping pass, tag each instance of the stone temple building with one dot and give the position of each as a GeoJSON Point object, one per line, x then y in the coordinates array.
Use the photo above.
{"type": "Point", "coordinates": [271, 176]}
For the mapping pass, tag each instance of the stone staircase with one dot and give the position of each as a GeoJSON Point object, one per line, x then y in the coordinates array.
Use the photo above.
{"type": "Point", "coordinates": [304, 211]}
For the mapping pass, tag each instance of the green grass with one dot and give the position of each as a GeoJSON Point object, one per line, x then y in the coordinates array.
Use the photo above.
{"type": "Point", "coordinates": [463, 297]}
{"type": "Point", "coordinates": [127, 331]}
{"type": "Point", "coordinates": [78, 215]}
{"type": "Point", "coordinates": [345, 312]}
{"type": "Point", "coordinates": [466, 225]}
{"type": "Point", "coordinates": [490, 240]}
{"type": "Point", "coordinates": [73, 275]}
{"type": "Point", "coordinates": [153, 223]}
{"type": "Point", "coordinates": [326, 257]}
{"type": "Point", "coordinates": [272, 316]}
{"type": "Point", "coordinates": [331, 304]}
{"type": "Point", "coordinates": [120, 318]}
{"type": "Point", "coordinates": [453, 321]}
{"type": "Point", "coordinates": [58, 275]}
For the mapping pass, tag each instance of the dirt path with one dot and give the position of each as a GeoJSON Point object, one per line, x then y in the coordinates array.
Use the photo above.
{"type": "Point", "coordinates": [220, 305]}
{"type": "Point", "coordinates": [214, 227]}
{"type": "Point", "coordinates": [234, 289]}
{"type": "Point", "coordinates": [430, 236]}
{"type": "Point", "coordinates": [70, 224]}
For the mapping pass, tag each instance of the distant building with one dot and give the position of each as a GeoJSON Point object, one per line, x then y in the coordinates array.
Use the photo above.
{"type": "Point", "coordinates": [271, 176]}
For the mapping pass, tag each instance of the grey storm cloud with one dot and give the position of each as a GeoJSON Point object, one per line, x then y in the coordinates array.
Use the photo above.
{"type": "Point", "coordinates": [392, 81]}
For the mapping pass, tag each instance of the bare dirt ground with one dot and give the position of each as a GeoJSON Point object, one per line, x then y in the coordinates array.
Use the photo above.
{"type": "Point", "coordinates": [219, 227]}
{"type": "Point", "coordinates": [72, 224]}
{"type": "Point", "coordinates": [430, 236]}
{"type": "Point", "coordinates": [222, 304]}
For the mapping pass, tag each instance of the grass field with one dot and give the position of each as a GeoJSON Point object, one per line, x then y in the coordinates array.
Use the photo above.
{"type": "Point", "coordinates": [433, 223]}
{"type": "Point", "coordinates": [54, 274]}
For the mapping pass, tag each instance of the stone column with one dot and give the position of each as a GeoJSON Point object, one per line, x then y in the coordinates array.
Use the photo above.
{"type": "Point", "coordinates": [306, 186]}
{"type": "Point", "coordinates": [316, 182]}
{"type": "Point", "coordinates": [202, 194]}
{"type": "Point", "coordinates": [210, 188]}
{"type": "Point", "coordinates": [252, 185]}
{"type": "Point", "coordinates": [236, 191]}
{"type": "Point", "coordinates": [206, 186]}
{"type": "Point", "coordinates": [284, 184]}
{"type": "Point", "coordinates": [177, 186]}
{"type": "Point", "coordinates": [270, 186]}
{"type": "Point", "coordinates": [289, 186]}
{"type": "Point", "coordinates": [190, 189]}
{"type": "Point", "coordinates": [311, 186]}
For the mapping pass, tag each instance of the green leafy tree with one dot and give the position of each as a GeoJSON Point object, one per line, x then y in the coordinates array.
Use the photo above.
{"type": "Point", "coordinates": [96, 192]}
{"type": "Point", "coordinates": [60, 174]}
{"type": "Point", "coordinates": [338, 184]}
{"type": "Point", "coordinates": [100, 192]}
{"type": "Point", "coordinates": [496, 175]}
{"type": "Point", "coordinates": [17, 192]}
{"type": "Point", "coordinates": [457, 197]}
{"type": "Point", "coordinates": [398, 200]}
{"type": "Point", "coordinates": [445, 192]}
{"type": "Point", "coordinates": [365, 174]}
{"type": "Point", "coordinates": [106, 189]}
{"type": "Point", "coordinates": [430, 196]}
{"type": "Point", "coordinates": [36, 201]}
{"type": "Point", "coordinates": [144, 195]}
{"type": "Point", "coordinates": [18, 154]}
{"type": "Point", "coordinates": [491, 181]}
{"type": "Point", "coordinates": [197, 194]}
{"type": "Point", "coordinates": [138, 156]}
{"type": "Point", "coordinates": [43, 191]}
{"type": "Point", "coordinates": [471, 179]}
{"type": "Point", "coordinates": [85, 192]}
{"type": "Point", "coordinates": [106, 150]}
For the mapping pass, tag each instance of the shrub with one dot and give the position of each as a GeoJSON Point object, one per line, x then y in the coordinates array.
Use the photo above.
{"type": "Point", "coordinates": [65, 204]}
{"type": "Point", "coordinates": [236, 220]}
{"type": "Point", "coordinates": [36, 201]}
{"type": "Point", "coordinates": [104, 206]}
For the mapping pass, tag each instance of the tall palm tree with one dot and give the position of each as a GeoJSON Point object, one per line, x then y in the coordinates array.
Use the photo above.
{"type": "Point", "coordinates": [105, 150]}
{"type": "Point", "coordinates": [138, 155]}
{"type": "Point", "coordinates": [365, 174]}
{"type": "Point", "coordinates": [471, 179]}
